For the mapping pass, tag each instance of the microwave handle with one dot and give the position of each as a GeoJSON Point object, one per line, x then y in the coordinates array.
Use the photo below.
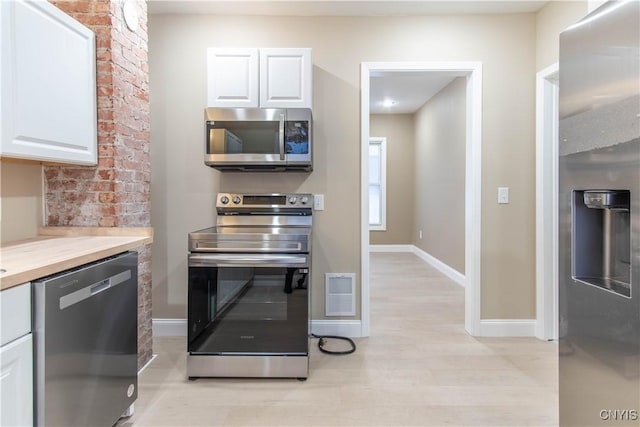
{"type": "Point", "coordinates": [281, 137]}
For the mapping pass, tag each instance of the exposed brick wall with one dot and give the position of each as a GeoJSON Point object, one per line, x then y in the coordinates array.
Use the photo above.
{"type": "Point", "coordinates": [115, 193]}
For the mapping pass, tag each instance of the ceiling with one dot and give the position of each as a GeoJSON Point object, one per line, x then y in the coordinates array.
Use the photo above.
{"type": "Point", "coordinates": [342, 7]}
{"type": "Point", "coordinates": [409, 90]}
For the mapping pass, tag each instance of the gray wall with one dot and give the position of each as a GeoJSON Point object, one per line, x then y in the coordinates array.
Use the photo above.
{"type": "Point", "coordinates": [440, 129]}
{"type": "Point", "coordinates": [512, 49]}
{"type": "Point", "coordinates": [21, 199]}
{"type": "Point", "coordinates": [398, 129]}
{"type": "Point", "coordinates": [551, 20]}
{"type": "Point", "coordinates": [183, 188]}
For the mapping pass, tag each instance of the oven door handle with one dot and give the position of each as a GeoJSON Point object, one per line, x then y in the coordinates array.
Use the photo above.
{"type": "Point", "coordinates": [248, 260]}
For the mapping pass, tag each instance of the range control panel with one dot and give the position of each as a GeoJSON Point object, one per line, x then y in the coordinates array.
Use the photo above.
{"type": "Point", "coordinates": [265, 200]}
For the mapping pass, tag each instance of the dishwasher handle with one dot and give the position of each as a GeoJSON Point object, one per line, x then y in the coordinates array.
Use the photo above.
{"type": "Point", "coordinates": [100, 286]}
{"type": "Point", "coordinates": [94, 289]}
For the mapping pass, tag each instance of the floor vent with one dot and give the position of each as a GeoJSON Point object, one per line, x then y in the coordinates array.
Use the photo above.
{"type": "Point", "coordinates": [340, 294]}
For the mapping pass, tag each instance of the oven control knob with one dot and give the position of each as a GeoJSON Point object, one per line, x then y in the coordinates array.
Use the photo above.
{"type": "Point", "coordinates": [236, 199]}
{"type": "Point", "coordinates": [293, 200]}
{"type": "Point", "coordinates": [304, 200]}
{"type": "Point", "coordinates": [224, 200]}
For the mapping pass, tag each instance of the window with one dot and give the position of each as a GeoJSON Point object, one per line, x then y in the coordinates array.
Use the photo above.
{"type": "Point", "coordinates": [377, 183]}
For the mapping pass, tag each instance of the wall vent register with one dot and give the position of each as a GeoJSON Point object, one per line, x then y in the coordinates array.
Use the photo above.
{"type": "Point", "coordinates": [340, 294]}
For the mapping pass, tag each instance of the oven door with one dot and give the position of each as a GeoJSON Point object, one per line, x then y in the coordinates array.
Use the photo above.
{"type": "Point", "coordinates": [248, 304]}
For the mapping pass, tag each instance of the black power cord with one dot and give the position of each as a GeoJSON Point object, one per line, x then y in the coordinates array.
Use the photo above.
{"type": "Point", "coordinates": [322, 339]}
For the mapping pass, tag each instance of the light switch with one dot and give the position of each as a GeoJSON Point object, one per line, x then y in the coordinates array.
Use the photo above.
{"type": "Point", "coordinates": [318, 202]}
{"type": "Point", "coordinates": [503, 195]}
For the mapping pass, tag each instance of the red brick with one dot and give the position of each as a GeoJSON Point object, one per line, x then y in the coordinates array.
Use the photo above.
{"type": "Point", "coordinates": [97, 20]}
{"type": "Point", "coordinates": [106, 197]}
{"type": "Point", "coordinates": [107, 221]}
{"type": "Point", "coordinates": [104, 103]}
{"type": "Point", "coordinates": [101, 186]}
{"type": "Point", "coordinates": [104, 55]}
{"type": "Point", "coordinates": [106, 174]}
{"type": "Point", "coordinates": [103, 68]}
{"type": "Point", "coordinates": [73, 7]}
{"type": "Point", "coordinates": [78, 172]}
{"type": "Point", "coordinates": [100, 6]}
{"type": "Point", "coordinates": [105, 151]}
{"type": "Point", "coordinates": [116, 193]}
{"type": "Point", "coordinates": [51, 173]}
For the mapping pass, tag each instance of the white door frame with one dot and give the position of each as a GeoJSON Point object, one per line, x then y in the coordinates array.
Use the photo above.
{"type": "Point", "coordinates": [547, 87]}
{"type": "Point", "coordinates": [473, 180]}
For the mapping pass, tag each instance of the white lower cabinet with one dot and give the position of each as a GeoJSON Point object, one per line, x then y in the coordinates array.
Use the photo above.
{"type": "Point", "coordinates": [16, 382]}
{"type": "Point", "coordinates": [16, 357]}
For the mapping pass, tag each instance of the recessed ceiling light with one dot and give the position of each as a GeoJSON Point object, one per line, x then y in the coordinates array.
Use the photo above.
{"type": "Point", "coordinates": [388, 103]}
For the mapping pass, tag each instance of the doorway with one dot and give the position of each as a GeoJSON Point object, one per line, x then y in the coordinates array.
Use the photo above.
{"type": "Point", "coordinates": [547, 104]}
{"type": "Point", "coordinates": [472, 71]}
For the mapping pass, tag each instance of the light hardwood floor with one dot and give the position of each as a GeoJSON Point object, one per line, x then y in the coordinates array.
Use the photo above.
{"type": "Point", "coordinates": [418, 368]}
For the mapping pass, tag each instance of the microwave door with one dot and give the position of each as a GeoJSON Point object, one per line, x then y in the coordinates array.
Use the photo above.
{"type": "Point", "coordinates": [245, 137]}
{"type": "Point", "coordinates": [258, 139]}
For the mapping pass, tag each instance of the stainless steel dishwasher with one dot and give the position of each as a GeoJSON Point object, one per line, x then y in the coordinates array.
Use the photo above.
{"type": "Point", "coordinates": [85, 329]}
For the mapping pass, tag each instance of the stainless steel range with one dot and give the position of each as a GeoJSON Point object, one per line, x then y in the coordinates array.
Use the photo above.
{"type": "Point", "coordinates": [248, 302]}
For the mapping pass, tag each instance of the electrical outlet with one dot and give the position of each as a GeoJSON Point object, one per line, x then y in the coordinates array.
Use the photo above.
{"type": "Point", "coordinates": [318, 202]}
{"type": "Point", "coordinates": [503, 195]}
{"type": "Point", "coordinates": [420, 234]}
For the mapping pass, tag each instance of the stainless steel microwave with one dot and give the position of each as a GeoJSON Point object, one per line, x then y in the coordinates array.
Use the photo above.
{"type": "Point", "coordinates": [259, 139]}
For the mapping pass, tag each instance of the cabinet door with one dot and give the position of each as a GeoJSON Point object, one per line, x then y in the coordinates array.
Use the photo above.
{"type": "Point", "coordinates": [285, 78]}
{"type": "Point", "coordinates": [232, 77]}
{"type": "Point", "coordinates": [47, 84]}
{"type": "Point", "coordinates": [15, 313]}
{"type": "Point", "coordinates": [16, 382]}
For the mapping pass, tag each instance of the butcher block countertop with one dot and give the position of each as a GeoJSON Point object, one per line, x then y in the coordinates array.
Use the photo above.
{"type": "Point", "coordinates": [60, 248]}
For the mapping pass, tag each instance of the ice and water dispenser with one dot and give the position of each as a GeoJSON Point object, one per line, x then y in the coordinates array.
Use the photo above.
{"type": "Point", "coordinates": [602, 239]}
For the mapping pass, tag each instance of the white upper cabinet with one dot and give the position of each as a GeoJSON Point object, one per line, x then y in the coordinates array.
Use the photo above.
{"type": "Point", "coordinates": [267, 78]}
{"type": "Point", "coordinates": [232, 77]}
{"type": "Point", "coordinates": [48, 105]}
{"type": "Point", "coordinates": [285, 78]}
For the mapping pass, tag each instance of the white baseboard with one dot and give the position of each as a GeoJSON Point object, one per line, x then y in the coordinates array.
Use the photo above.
{"type": "Point", "coordinates": [443, 268]}
{"type": "Point", "coordinates": [169, 327]}
{"type": "Point", "coordinates": [391, 248]}
{"type": "Point", "coordinates": [507, 328]}
{"type": "Point", "coordinates": [343, 328]}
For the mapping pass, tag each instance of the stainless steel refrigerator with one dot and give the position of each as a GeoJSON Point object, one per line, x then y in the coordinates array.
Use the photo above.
{"type": "Point", "coordinates": [599, 199]}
